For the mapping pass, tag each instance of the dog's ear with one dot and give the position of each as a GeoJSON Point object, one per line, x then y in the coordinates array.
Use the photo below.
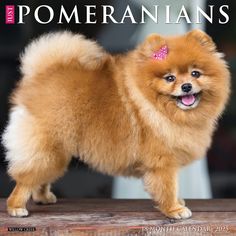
{"type": "Point", "coordinates": [153, 43]}
{"type": "Point", "coordinates": [204, 39]}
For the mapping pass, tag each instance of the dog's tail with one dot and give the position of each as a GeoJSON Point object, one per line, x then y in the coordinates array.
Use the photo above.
{"type": "Point", "coordinates": [61, 48]}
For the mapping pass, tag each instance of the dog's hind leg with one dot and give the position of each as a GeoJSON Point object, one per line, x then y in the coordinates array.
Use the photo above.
{"type": "Point", "coordinates": [43, 195]}
{"type": "Point", "coordinates": [16, 203]}
{"type": "Point", "coordinates": [45, 168]}
{"type": "Point", "coordinates": [33, 179]}
{"type": "Point", "coordinates": [35, 157]}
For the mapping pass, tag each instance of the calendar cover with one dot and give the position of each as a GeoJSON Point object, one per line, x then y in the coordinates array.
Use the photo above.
{"type": "Point", "coordinates": [123, 97]}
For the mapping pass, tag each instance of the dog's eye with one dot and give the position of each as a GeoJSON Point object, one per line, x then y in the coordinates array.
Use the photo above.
{"type": "Point", "coordinates": [196, 74]}
{"type": "Point", "coordinates": [170, 78]}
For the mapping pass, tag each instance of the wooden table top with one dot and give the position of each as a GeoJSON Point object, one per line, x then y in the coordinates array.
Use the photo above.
{"type": "Point", "coordinates": [120, 217]}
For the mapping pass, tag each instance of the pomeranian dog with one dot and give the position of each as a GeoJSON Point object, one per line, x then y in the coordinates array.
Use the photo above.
{"type": "Point", "coordinates": [146, 113]}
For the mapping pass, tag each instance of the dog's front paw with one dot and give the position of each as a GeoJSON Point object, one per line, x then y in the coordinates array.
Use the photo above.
{"type": "Point", "coordinates": [181, 212]}
{"type": "Point", "coordinates": [18, 212]}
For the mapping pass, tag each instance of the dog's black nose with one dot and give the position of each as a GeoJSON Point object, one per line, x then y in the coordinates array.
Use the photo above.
{"type": "Point", "coordinates": [186, 87]}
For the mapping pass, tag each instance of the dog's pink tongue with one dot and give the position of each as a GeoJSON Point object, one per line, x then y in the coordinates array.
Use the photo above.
{"type": "Point", "coordinates": [188, 100]}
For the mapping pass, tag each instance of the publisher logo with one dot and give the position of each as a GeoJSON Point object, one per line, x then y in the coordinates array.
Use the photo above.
{"type": "Point", "coordinates": [21, 229]}
{"type": "Point", "coordinates": [10, 14]}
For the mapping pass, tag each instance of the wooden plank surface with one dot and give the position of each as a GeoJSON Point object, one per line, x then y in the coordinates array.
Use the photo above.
{"type": "Point", "coordinates": [120, 217]}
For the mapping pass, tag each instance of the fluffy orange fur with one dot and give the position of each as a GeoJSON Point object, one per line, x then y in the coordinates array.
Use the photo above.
{"type": "Point", "coordinates": [117, 113]}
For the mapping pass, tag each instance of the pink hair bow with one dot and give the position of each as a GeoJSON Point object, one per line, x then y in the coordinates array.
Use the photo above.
{"type": "Point", "coordinates": [161, 54]}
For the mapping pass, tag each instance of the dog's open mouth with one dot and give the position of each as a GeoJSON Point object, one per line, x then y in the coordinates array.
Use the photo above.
{"type": "Point", "coordinates": [188, 101]}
